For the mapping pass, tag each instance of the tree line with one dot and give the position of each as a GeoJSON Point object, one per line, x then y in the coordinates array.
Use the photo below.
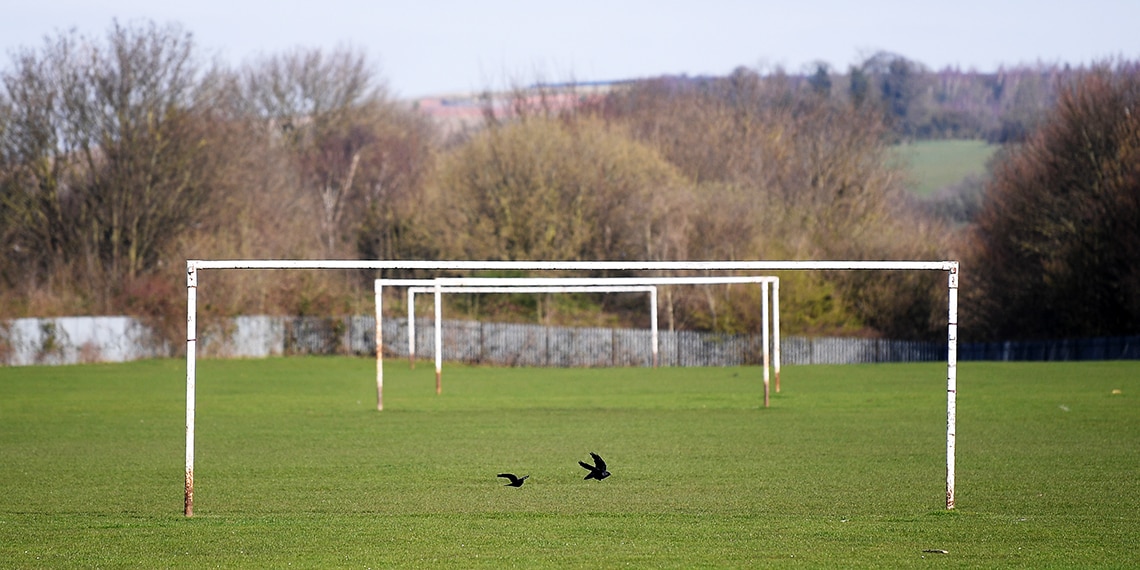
{"type": "Point", "coordinates": [123, 155]}
{"type": "Point", "coordinates": [919, 103]}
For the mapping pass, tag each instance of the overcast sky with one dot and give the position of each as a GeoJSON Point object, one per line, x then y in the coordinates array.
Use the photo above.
{"type": "Point", "coordinates": [433, 47]}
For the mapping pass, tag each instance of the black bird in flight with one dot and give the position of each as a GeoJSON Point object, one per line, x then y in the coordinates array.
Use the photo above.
{"type": "Point", "coordinates": [597, 470]}
{"type": "Point", "coordinates": [514, 481]}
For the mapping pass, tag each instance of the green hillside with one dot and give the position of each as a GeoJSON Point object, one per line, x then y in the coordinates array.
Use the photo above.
{"type": "Point", "coordinates": [936, 164]}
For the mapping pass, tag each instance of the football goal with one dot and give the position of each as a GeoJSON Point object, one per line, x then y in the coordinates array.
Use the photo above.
{"type": "Point", "coordinates": [195, 266]}
{"type": "Point", "coordinates": [494, 285]}
{"type": "Point", "coordinates": [438, 291]}
{"type": "Point", "coordinates": [770, 307]}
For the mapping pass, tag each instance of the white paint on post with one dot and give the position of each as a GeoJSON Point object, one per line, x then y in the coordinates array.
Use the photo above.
{"type": "Point", "coordinates": [764, 335]}
{"type": "Point", "coordinates": [776, 331]}
{"type": "Point", "coordinates": [411, 329]}
{"type": "Point", "coordinates": [653, 322]}
{"type": "Point", "coordinates": [191, 381]}
{"type": "Point", "coordinates": [438, 341]}
{"type": "Point", "coordinates": [951, 381]}
{"type": "Point", "coordinates": [379, 290]}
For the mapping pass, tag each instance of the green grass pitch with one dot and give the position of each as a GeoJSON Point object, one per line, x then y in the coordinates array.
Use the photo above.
{"type": "Point", "coordinates": [296, 468]}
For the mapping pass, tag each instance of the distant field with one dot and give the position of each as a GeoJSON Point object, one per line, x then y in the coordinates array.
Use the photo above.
{"type": "Point", "coordinates": [296, 468]}
{"type": "Point", "coordinates": [935, 164]}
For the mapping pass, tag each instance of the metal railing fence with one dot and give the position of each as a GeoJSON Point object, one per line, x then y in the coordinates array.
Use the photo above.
{"type": "Point", "coordinates": [68, 340]}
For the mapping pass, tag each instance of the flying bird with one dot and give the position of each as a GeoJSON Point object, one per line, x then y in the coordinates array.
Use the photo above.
{"type": "Point", "coordinates": [514, 480]}
{"type": "Point", "coordinates": [597, 470]}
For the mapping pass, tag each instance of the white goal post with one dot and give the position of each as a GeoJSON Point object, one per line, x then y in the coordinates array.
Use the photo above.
{"type": "Point", "coordinates": [194, 266]}
{"type": "Point", "coordinates": [771, 359]}
{"type": "Point", "coordinates": [769, 341]}
{"type": "Point", "coordinates": [495, 285]}
{"type": "Point", "coordinates": [438, 291]}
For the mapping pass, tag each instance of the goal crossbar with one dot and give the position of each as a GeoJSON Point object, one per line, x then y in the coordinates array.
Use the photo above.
{"type": "Point", "coordinates": [441, 265]}
{"type": "Point", "coordinates": [193, 266]}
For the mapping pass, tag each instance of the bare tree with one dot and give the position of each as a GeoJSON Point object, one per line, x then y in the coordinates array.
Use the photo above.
{"type": "Point", "coordinates": [397, 208]}
{"type": "Point", "coordinates": [325, 107]}
{"type": "Point", "coordinates": [106, 154]}
{"type": "Point", "coordinates": [39, 146]}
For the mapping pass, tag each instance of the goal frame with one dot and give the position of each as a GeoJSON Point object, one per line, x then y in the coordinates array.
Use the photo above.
{"type": "Point", "coordinates": [770, 336]}
{"type": "Point", "coordinates": [194, 266]}
{"type": "Point", "coordinates": [439, 290]}
{"type": "Point", "coordinates": [496, 283]}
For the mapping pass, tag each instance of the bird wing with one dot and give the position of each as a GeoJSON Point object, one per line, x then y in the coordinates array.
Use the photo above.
{"type": "Point", "coordinates": [509, 476]}
{"type": "Point", "coordinates": [587, 466]}
{"type": "Point", "coordinates": [598, 461]}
